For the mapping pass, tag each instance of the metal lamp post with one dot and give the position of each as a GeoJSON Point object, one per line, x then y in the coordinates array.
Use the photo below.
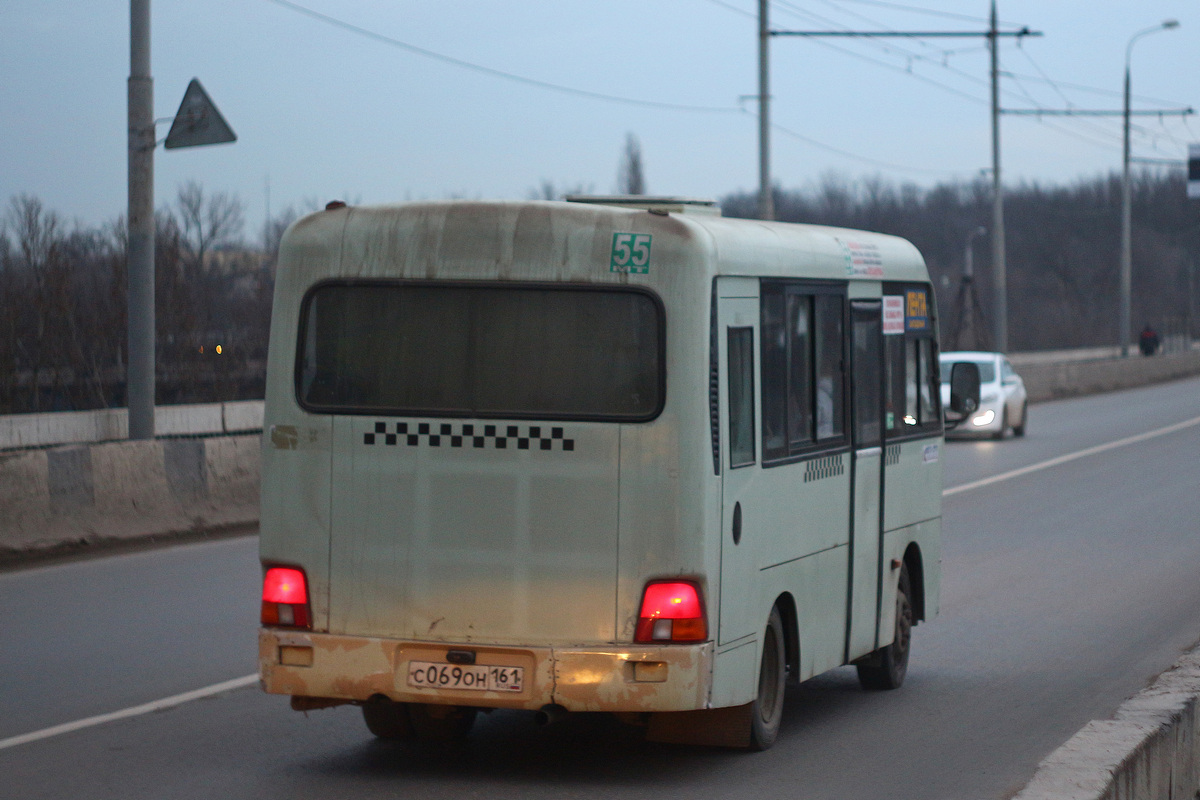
{"type": "Point", "coordinates": [1126, 203]}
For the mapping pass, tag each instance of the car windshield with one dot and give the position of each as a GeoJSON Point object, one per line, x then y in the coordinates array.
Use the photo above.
{"type": "Point", "coordinates": [987, 370]}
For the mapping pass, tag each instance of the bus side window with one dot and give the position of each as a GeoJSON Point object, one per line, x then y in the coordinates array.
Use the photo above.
{"type": "Point", "coordinates": [831, 395]}
{"type": "Point", "coordinates": [931, 396]}
{"type": "Point", "coordinates": [803, 381]}
{"type": "Point", "coordinates": [912, 390]}
{"type": "Point", "coordinates": [774, 373]}
{"type": "Point", "coordinates": [741, 397]}
{"type": "Point", "coordinates": [912, 384]}
{"type": "Point", "coordinates": [799, 394]}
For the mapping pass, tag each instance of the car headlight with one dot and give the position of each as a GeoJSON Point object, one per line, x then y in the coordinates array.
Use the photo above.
{"type": "Point", "coordinates": [984, 419]}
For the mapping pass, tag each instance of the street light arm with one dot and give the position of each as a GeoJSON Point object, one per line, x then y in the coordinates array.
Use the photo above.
{"type": "Point", "coordinates": [1165, 25]}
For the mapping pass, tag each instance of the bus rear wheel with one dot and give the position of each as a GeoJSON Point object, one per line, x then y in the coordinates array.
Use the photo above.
{"type": "Point", "coordinates": [767, 709]}
{"type": "Point", "coordinates": [887, 666]}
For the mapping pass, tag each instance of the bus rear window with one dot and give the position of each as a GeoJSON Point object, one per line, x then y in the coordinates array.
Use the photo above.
{"type": "Point", "coordinates": [481, 351]}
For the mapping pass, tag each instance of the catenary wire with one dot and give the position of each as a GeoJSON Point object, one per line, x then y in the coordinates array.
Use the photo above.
{"type": "Point", "coordinates": [570, 90]}
{"type": "Point", "coordinates": [458, 62]}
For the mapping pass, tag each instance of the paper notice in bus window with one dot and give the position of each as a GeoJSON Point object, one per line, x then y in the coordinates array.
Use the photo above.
{"type": "Point", "coordinates": [863, 259]}
{"type": "Point", "coordinates": [893, 314]}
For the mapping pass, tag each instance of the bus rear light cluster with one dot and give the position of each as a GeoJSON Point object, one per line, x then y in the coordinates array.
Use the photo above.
{"type": "Point", "coordinates": [285, 598]}
{"type": "Point", "coordinates": [671, 612]}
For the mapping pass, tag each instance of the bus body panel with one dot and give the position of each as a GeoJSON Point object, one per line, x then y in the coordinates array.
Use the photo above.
{"type": "Point", "coordinates": [924, 539]}
{"type": "Point", "coordinates": [914, 482]}
{"type": "Point", "coordinates": [439, 540]}
{"type": "Point", "coordinates": [296, 450]}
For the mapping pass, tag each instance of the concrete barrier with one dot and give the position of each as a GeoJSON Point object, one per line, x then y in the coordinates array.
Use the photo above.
{"type": "Point", "coordinates": [112, 424]}
{"type": "Point", "coordinates": [65, 498]}
{"type": "Point", "coordinates": [1150, 750]}
{"type": "Point", "coordinates": [1064, 377]}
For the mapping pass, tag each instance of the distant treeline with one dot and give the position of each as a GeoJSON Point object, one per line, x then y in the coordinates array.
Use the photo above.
{"type": "Point", "coordinates": [62, 287]}
{"type": "Point", "coordinates": [1062, 245]}
{"type": "Point", "coordinates": [63, 295]}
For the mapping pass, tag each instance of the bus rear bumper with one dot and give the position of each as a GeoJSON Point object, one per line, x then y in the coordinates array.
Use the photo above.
{"type": "Point", "coordinates": [323, 669]}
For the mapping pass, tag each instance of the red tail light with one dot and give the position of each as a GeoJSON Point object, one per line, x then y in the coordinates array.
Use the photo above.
{"type": "Point", "coordinates": [671, 612]}
{"type": "Point", "coordinates": [285, 598]}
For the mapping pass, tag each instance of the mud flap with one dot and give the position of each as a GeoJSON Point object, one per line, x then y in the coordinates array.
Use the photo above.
{"type": "Point", "coordinates": [717, 727]}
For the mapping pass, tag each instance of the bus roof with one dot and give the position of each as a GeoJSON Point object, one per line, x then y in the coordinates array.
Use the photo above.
{"type": "Point", "coordinates": [574, 241]}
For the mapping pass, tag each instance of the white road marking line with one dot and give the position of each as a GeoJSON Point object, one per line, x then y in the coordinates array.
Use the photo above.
{"type": "Point", "coordinates": [135, 711]}
{"type": "Point", "coordinates": [1054, 462]}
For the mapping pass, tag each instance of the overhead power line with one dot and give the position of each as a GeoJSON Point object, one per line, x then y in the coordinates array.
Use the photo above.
{"type": "Point", "coordinates": [510, 76]}
{"type": "Point", "coordinates": [929, 11]}
{"type": "Point", "coordinates": [391, 41]}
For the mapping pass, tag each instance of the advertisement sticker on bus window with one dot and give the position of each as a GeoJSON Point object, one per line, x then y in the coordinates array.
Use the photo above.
{"type": "Point", "coordinates": [630, 253]}
{"type": "Point", "coordinates": [863, 259]}
{"type": "Point", "coordinates": [893, 314]}
{"type": "Point", "coordinates": [916, 310]}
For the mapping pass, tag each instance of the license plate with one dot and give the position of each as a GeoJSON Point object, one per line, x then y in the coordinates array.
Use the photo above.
{"type": "Point", "coordinates": [475, 677]}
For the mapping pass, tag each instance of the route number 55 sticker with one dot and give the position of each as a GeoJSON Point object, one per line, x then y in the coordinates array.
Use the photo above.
{"type": "Point", "coordinates": [630, 253]}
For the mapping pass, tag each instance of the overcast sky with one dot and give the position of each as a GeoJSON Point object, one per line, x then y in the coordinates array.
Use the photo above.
{"type": "Point", "coordinates": [349, 107]}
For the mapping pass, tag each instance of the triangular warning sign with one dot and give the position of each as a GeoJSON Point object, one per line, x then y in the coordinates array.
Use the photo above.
{"type": "Point", "coordinates": [198, 122]}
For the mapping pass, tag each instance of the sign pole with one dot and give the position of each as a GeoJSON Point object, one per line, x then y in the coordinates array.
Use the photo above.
{"type": "Point", "coordinates": [139, 380]}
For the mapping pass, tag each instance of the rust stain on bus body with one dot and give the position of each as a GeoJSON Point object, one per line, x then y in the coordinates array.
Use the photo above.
{"type": "Point", "coordinates": [620, 679]}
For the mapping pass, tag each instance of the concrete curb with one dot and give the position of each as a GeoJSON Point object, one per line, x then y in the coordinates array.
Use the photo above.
{"type": "Point", "coordinates": [85, 495]}
{"type": "Point", "coordinates": [1148, 751]}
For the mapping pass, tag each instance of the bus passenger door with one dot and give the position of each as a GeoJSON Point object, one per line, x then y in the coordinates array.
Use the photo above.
{"type": "Point", "coordinates": [867, 467]}
{"type": "Point", "coordinates": [738, 355]}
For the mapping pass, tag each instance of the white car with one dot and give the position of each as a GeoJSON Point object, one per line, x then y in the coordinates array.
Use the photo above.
{"type": "Point", "coordinates": [1003, 404]}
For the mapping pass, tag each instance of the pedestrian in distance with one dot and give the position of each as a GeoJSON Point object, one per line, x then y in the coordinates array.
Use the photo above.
{"type": "Point", "coordinates": [1148, 341]}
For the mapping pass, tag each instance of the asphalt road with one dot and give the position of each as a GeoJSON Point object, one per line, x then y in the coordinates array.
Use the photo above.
{"type": "Point", "coordinates": [1065, 589]}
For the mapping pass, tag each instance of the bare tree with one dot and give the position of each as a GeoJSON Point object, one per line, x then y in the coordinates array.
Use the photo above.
{"type": "Point", "coordinates": [36, 231]}
{"type": "Point", "coordinates": [206, 222]}
{"type": "Point", "coordinates": [274, 227]}
{"type": "Point", "coordinates": [630, 177]}
{"type": "Point", "coordinates": [548, 191]}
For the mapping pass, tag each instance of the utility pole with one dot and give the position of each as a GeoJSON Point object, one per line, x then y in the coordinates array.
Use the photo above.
{"type": "Point", "coordinates": [766, 200]}
{"type": "Point", "coordinates": [999, 267]}
{"type": "Point", "coordinates": [993, 35]}
{"type": "Point", "coordinates": [139, 380]}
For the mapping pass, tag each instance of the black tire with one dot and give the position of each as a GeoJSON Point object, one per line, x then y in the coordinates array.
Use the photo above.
{"type": "Point", "coordinates": [1019, 430]}
{"type": "Point", "coordinates": [886, 667]}
{"type": "Point", "coordinates": [387, 720]}
{"type": "Point", "coordinates": [441, 724]}
{"type": "Point", "coordinates": [767, 709]}
{"type": "Point", "coordinates": [1003, 424]}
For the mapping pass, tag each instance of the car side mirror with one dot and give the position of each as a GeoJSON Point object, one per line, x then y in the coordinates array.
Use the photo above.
{"type": "Point", "coordinates": [964, 388]}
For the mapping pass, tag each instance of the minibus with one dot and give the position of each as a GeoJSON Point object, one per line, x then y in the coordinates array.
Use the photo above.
{"type": "Point", "coordinates": [616, 454]}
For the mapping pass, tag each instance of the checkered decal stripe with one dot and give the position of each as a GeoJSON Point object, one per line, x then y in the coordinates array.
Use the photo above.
{"type": "Point", "coordinates": [828, 467]}
{"type": "Point", "coordinates": [494, 437]}
{"type": "Point", "coordinates": [891, 455]}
